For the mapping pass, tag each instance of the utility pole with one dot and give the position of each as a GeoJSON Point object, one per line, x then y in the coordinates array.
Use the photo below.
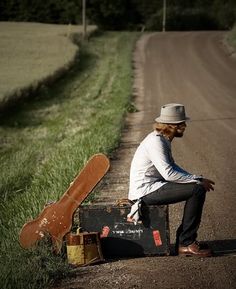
{"type": "Point", "coordinates": [84, 22]}
{"type": "Point", "coordinates": [164, 17]}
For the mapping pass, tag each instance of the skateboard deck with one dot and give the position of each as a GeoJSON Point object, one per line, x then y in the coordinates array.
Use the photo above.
{"type": "Point", "coordinates": [56, 219]}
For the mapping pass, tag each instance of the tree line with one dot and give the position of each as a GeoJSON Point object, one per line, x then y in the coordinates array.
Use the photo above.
{"type": "Point", "coordinates": [125, 14]}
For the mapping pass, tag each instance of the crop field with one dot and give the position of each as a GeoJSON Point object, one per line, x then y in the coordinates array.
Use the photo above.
{"type": "Point", "coordinates": [31, 53]}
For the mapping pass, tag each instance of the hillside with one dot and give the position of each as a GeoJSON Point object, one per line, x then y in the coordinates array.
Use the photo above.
{"type": "Point", "coordinates": [32, 54]}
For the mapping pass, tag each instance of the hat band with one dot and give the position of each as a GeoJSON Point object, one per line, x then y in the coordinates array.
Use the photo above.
{"type": "Point", "coordinates": [173, 117]}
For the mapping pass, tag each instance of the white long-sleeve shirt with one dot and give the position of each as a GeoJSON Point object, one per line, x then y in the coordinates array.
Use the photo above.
{"type": "Point", "coordinates": [153, 166]}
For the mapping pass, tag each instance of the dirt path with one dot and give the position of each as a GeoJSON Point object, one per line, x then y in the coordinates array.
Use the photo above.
{"type": "Point", "coordinates": [194, 69]}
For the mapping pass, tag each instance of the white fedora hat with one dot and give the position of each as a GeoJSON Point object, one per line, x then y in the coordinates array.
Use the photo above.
{"type": "Point", "coordinates": [172, 113]}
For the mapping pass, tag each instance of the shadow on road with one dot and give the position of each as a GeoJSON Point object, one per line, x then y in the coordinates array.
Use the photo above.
{"type": "Point", "coordinates": [223, 247]}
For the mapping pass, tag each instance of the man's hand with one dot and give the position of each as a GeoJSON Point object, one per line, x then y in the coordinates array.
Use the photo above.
{"type": "Point", "coordinates": [208, 184]}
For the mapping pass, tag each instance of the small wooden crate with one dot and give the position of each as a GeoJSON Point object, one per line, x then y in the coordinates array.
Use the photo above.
{"type": "Point", "coordinates": [83, 248]}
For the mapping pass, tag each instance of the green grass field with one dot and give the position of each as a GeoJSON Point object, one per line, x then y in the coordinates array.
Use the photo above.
{"type": "Point", "coordinates": [33, 52]}
{"type": "Point", "coordinates": [45, 142]}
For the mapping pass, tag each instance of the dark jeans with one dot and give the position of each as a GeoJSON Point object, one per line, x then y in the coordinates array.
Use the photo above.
{"type": "Point", "coordinates": [194, 195]}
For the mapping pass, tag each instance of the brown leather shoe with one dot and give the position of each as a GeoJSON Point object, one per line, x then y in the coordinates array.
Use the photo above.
{"type": "Point", "coordinates": [194, 249]}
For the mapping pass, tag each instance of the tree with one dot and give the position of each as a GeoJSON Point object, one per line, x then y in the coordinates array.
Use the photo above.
{"type": "Point", "coordinates": [125, 14]}
{"type": "Point", "coordinates": [225, 13]}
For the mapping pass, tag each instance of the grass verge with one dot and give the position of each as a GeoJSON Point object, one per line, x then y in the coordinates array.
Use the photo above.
{"type": "Point", "coordinates": [231, 39]}
{"type": "Point", "coordinates": [46, 141]}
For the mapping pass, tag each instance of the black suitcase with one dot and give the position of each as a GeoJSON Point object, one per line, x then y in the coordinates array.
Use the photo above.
{"type": "Point", "coordinates": [120, 238]}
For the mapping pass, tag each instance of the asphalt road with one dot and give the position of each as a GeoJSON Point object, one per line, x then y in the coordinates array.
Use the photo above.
{"type": "Point", "coordinates": [197, 70]}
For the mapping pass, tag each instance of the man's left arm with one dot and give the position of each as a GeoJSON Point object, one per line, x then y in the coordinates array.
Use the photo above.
{"type": "Point", "coordinates": [207, 183]}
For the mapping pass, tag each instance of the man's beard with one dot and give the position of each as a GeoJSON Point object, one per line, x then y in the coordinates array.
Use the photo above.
{"type": "Point", "coordinates": [179, 133]}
